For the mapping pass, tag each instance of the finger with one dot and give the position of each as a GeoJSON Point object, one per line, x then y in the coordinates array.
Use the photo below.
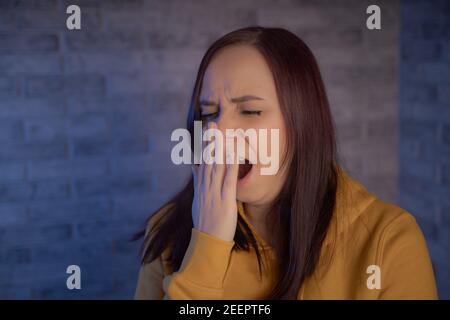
{"type": "Point", "coordinates": [207, 166]}
{"type": "Point", "coordinates": [200, 167]}
{"type": "Point", "coordinates": [230, 179]}
{"type": "Point", "coordinates": [218, 170]}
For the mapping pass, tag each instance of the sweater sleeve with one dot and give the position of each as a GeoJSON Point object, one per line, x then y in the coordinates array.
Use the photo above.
{"type": "Point", "coordinates": [406, 269]}
{"type": "Point", "coordinates": [200, 276]}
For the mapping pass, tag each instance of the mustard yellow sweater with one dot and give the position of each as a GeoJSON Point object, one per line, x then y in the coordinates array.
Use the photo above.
{"type": "Point", "coordinates": [363, 232]}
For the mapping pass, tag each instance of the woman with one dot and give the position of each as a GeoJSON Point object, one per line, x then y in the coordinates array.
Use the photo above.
{"type": "Point", "coordinates": [307, 232]}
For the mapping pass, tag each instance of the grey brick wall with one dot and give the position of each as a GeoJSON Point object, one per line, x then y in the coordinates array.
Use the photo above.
{"type": "Point", "coordinates": [86, 117]}
{"type": "Point", "coordinates": [424, 184]}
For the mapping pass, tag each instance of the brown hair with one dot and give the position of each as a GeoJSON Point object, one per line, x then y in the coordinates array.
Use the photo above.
{"type": "Point", "coordinates": [302, 211]}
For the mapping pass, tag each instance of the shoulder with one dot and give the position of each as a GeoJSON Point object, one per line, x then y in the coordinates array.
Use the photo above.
{"type": "Point", "coordinates": [361, 213]}
{"type": "Point", "coordinates": [384, 227]}
{"type": "Point", "coordinates": [390, 224]}
{"type": "Point", "coordinates": [387, 236]}
{"type": "Point", "coordinates": [400, 250]}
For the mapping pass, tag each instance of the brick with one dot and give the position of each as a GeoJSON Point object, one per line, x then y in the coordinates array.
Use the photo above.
{"type": "Point", "coordinates": [418, 186]}
{"type": "Point", "coordinates": [8, 86]}
{"type": "Point", "coordinates": [28, 43]}
{"type": "Point", "coordinates": [46, 130]}
{"type": "Point", "coordinates": [37, 20]}
{"type": "Point", "coordinates": [419, 169]}
{"type": "Point", "coordinates": [410, 149]}
{"type": "Point", "coordinates": [446, 134]}
{"type": "Point", "coordinates": [30, 151]}
{"type": "Point", "coordinates": [125, 84]}
{"type": "Point", "coordinates": [62, 211]}
{"type": "Point", "coordinates": [382, 129]}
{"type": "Point", "coordinates": [42, 86]}
{"type": "Point", "coordinates": [12, 171]}
{"type": "Point", "coordinates": [426, 50]}
{"type": "Point", "coordinates": [123, 4]}
{"type": "Point", "coordinates": [94, 230]}
{"type": "Point", "coordinates": [50, 189]}
{"type": "Point", "coordinates": [88, 4]}
{"type": "Point", "coordinates": [29, 4]}
{"type": "Point", "coordinates": [381, 161]}
{"type": "Point", "coordinates": [422, 207]}
{"type": "Point", "coordinates": [135, 145]}
{"type": "Point", "coordinates": [423, 94]}
{"type": "Point", "coordinates": [89, 125]}
{"type": "Point", "coordinates": [126, 62]}
{"type": "Point", "coordinates": [57, 232]}
{"type": "Point", "coordinates": [131, 122]}
{"type": "Point", "coordinates": [104, 42]}
{"type": "Point", "coordinates": [68, 168]}
{"type": "Point", "coordinates": [7, 20]}
{"type": "Point", "coordinates": [138, 205]}
{"type": "Point", "coordinates": [350, 131]}
{"type": "Point", "coordinates": [445, 50]}
{"type": "Point", "coordinates": [436, 30]}
{"type": "Point", "coordinates": [133, 164]}
{"type": "Point", "coordinates": [38, 64]}
{"type": "Point", "coordinates": [95, 104]}
{"type": "Point", "coordinates": [443, 93]}
{"type": "Point", "coordinates": [13, 214]}
{"type": "Point", "coordinates": [11, 130]}
{"type": "Point", "coordinates": [112, 185]}
{"type": "Point", "coordinates": [15, 291]}
{"type": "Point", "coordinates": [432, 72]}
{"type": "Point", "coordinates": [18, 191]}
{"type": "Point", "coordinates": [426, 112]}
{"type": "Point", "coordinates": [108, 5]}
{"type": "Point", "coordinates": [15, 256]}
{"type": "Point", "coordinates": [417, 129]}
{"type": "Point", "coordinates": [22, 107]}
{"type": "Point", "coordinates": [168, 101]}
{"type": "Point", "coordinates": [83, 147]}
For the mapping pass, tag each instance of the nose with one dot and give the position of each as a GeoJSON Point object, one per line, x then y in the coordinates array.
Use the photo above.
{"type": "Point", "coordinates": [237, 142]}
{"type": "Point", "coordinates": [227, 120]}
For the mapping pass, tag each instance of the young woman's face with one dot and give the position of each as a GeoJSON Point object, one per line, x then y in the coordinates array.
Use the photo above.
{"type": "Point", "coordinates": [239, 92]}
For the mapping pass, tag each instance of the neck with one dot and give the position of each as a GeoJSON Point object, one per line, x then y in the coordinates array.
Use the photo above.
{"type": "Point", "coordinates": [256, 213]}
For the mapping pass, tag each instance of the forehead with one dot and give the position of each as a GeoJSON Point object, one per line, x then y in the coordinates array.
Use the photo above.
{"type": "Point", "coordinates": [238, 70]}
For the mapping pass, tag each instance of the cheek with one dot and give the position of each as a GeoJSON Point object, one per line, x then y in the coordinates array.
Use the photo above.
{"type": "Point", "coordinates": [265, 188]}
{"type": "Point", "coordinates": [277, 143]}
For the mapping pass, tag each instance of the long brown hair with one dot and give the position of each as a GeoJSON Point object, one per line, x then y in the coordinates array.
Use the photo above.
{"type": "Point", "coordinates": [302, 211]}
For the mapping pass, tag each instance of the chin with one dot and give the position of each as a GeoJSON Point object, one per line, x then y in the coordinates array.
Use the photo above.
{"type": "Point", "coordinates": [247, 194]}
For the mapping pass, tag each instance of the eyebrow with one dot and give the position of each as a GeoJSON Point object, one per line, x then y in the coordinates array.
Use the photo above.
{"type": "Point", "coordinates": [240, 99]}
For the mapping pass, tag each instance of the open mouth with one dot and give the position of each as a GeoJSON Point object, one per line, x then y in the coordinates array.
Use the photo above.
{"type": "Point", "coordinates": [244, 169]}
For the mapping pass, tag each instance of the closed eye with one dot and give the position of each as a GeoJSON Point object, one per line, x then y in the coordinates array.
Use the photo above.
{"type": "Point", "coordinates": [209, 115]}
{"type": "Point", "coordinates": [251, 112]}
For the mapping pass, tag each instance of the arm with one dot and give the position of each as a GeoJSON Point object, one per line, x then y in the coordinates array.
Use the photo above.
{"type": "Point", "coordinates": [200, 276]}
{"type": "Point", "coordinates": [214, 215]}
{"type": "Point", "coordinates": [406, 270]}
